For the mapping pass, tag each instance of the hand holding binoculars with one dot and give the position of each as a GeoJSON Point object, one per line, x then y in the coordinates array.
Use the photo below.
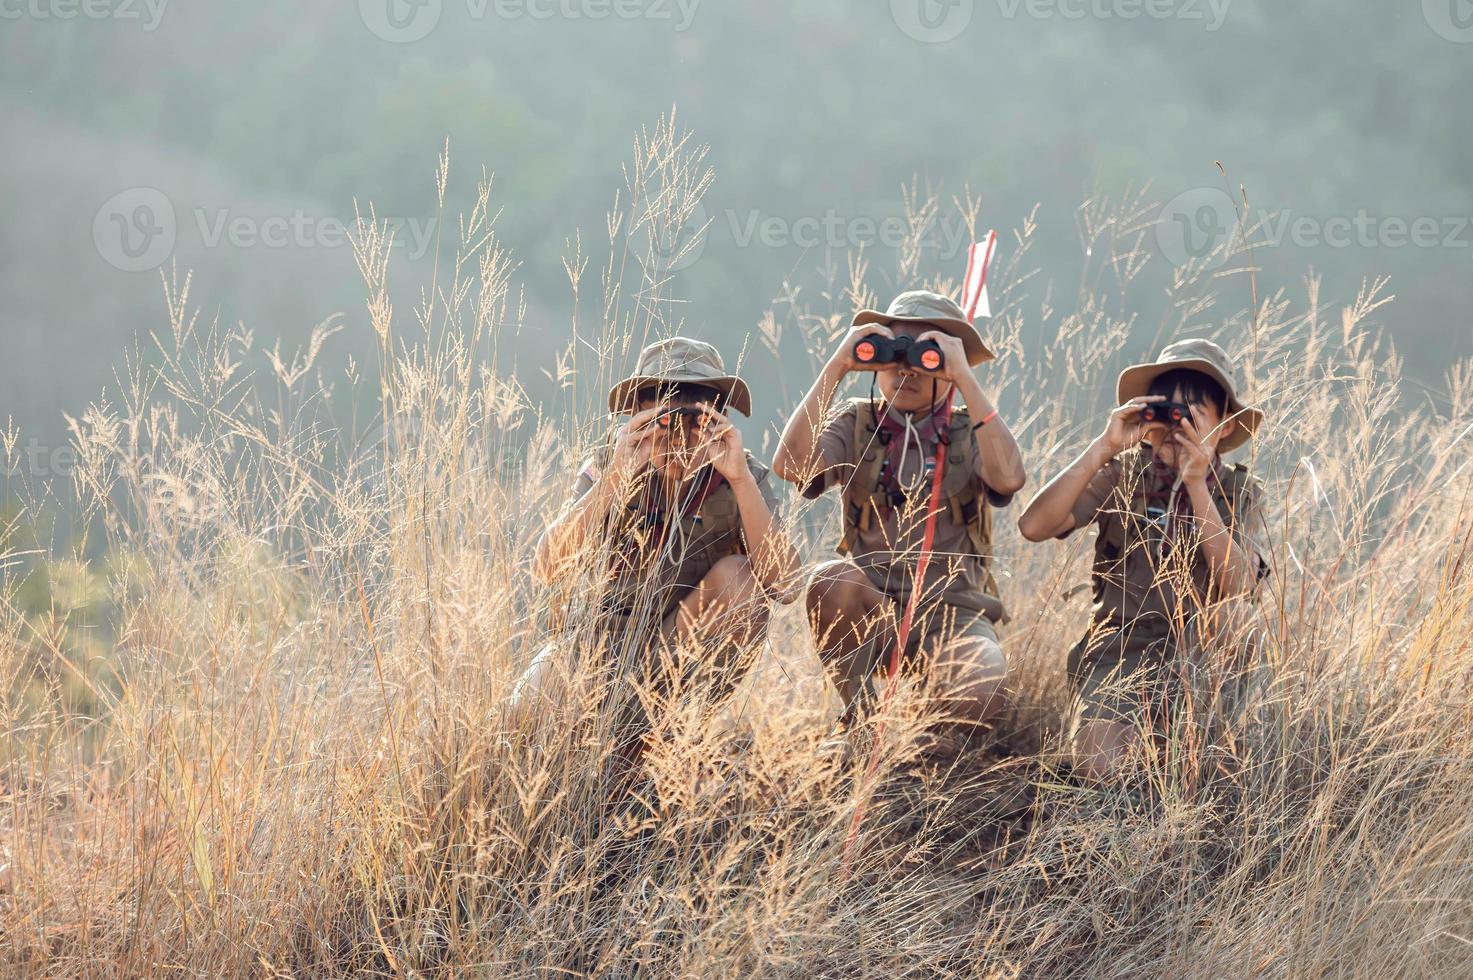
{"type": "Point", "coordinates": [877, 349]}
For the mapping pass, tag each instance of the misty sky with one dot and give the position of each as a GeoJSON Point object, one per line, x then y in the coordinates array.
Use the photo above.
{"type": "Point", "coordinates": [235, 139]}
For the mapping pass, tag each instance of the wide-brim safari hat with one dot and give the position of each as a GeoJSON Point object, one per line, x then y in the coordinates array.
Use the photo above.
{"type": "Point", "coordinates": [924, 306]}
{"type": "Point", "coordinates": [1209, 359]}
{"type": "Point", "coordinates": [679, 360]}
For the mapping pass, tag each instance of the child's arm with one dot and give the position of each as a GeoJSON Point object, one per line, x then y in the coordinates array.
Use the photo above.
{"type": "Point", "coordinates": [1051, 513]}
{"type": "Point", "coordinates": [774, 559]}
{"type": "Point", "coordinates": [797, 456]}
{"type": "Point", "coordinates": [1234, 570]}
{"type": "Point", "coordinates": [565, 538]}
{"type": "Point", "coordinates": [999, 464]}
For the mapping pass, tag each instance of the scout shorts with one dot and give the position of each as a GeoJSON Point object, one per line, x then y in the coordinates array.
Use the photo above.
{"type": "Point", "coordinates": [935, 628]}
{"type": "Point", "coordinates": [1152, 682]}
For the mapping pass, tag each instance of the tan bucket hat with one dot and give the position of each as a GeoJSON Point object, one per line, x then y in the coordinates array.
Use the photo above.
{"type": "Point", "coordinates": [924, 306]}
{"type": "Point", "coordinates": [676, 361]}
{"type": "Point", "coordinates": [1211, 360]}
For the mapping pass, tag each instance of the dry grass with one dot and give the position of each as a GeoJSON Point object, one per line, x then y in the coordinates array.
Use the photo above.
{"type": "Point", "coordinates": [290, 754]}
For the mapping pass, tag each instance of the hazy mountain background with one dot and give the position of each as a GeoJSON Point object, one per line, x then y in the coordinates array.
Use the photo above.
{"type": "Point", "coordinates": [114, 110]}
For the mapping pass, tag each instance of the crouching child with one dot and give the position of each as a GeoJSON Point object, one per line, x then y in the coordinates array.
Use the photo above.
{"type": "Point", "coordinates": [1180, 536]}
{"type": "Point", "coordinates": [880, 452]}
{"type": "Point", "coordinates": [686, 521]}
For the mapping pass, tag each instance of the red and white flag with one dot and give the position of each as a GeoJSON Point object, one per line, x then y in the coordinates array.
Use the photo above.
{"type": "Point", "coordinates": [974, 286]}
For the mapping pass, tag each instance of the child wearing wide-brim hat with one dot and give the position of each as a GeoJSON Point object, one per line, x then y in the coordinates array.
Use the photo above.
{"type": "Point", "coordinates": [1180, 535]}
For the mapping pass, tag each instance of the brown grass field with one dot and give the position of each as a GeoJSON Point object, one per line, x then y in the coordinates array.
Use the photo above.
{"type": "Point", "coordinates": [265, 734]}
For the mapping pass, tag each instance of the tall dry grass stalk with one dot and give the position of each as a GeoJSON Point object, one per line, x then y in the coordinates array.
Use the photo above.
{"type": "Point", "coordinates": [291, 753]}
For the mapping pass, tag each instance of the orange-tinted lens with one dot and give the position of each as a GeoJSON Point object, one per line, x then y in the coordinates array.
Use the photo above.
{"type": "Point", "coordinates": [930, 360]}
{"type": "Point", "coordinates": [865, 351]}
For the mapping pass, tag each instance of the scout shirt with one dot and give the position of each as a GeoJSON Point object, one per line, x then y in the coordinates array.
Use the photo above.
{"type": "Point", "coordinates": [1146, 547]}
{"type": "Point", "coordinates": [655, 557]}
{"type": "Point", "coordinates": [888, 548]}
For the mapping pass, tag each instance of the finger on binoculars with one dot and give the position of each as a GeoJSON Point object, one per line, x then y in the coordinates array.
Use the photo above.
{"type": "Point", "coordinates": [643, 417]}
{"type": "Point", "coordinates": [1189, 425]}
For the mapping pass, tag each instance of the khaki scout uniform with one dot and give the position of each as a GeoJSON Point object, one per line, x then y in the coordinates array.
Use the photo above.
{"type": "Point", "coordinates": [658, 550]}
{"type": "Point", "coordinates": [885, 497]}
{"type": "Point", "coordinates": [1154, 612]}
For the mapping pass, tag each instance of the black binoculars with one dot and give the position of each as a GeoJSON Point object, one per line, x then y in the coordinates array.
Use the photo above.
{"type": "Point", "coordinates": [1167, 413]}
{"type": "Point", "coordinates": [691, 418]}
{"type": "Point", "coordinates": [876, 348]}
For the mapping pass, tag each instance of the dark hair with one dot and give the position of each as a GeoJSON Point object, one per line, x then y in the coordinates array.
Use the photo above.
{"type": "Point", "coordinates": [684, 393]}
{"type": "Point", "coordinates": [1196, 388]}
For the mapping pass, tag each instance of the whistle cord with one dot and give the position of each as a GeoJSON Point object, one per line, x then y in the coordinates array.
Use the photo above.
{"type": "Point", "coordinates": [902, 638]}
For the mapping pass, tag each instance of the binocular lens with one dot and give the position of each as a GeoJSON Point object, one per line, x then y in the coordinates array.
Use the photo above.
{"type": "Point", "coordinates": [1171, 413]}
{"type": "Point", "coordinates": [879, 349]}
{"type": "Point", "coordinates": [685, 418]}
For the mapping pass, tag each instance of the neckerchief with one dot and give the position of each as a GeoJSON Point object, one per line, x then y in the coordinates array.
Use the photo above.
{"type": "Point", "coordinates": [1167, 506]}
{"type": "Point", "coordinates": [655, 517]}
{"type": "Point", "coordinates": [898, 436]}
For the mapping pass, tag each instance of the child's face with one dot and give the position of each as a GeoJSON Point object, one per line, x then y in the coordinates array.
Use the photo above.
{"type": "Point", "coordinates": [904, 387]}
{"type": "Point", "coordinates": [677, 450]}
{"type": "Point", "coordinates": [1159, 436]}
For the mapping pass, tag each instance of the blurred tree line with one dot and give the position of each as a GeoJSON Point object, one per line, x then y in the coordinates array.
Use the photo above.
{"type": "Point", "coordinates": [809, 107]}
